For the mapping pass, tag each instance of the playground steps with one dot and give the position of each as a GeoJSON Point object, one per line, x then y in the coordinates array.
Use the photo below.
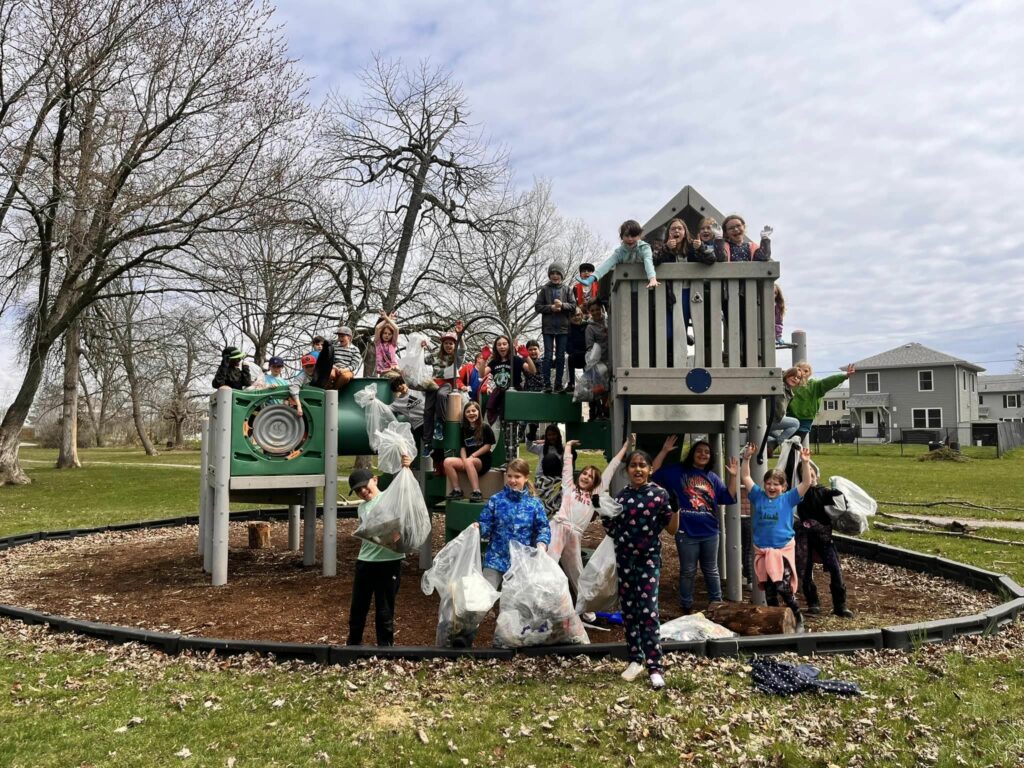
{"type": "Point", "coordinates": [490, 483]}
{"type": "Point", "coordinates": [459, 515]}
{"type": "Point", "coordinates": [542, 406]}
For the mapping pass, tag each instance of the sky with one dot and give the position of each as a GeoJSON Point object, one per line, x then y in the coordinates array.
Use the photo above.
{"type": "Point", "coordinates": [881, 140]}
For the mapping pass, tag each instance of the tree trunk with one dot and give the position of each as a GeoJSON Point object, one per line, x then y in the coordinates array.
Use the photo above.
{"type": "Point", "coordinates": [412, 213]}
{"type": "Point", "coordinates": [745, 619]}
{"type": "Point", "coordinates": [140, 425]}
{"type": "Point", "coordinates": [10, 429]}
{"type": "Point", "coordinates": [179, 432]}
{"type": "Point", "coordinates": [67, 458]}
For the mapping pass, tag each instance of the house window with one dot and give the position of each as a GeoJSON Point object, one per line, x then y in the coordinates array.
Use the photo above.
{"type": "Point", "coordinates": [1011, 401]}
{"type": "Point", "coordinates": [981, 399]}
{"type": "Point", "coordinates": [974, 378]}
{"type": "Point", "coordinates": [924, 381]}
{"type": "Point", "coordinates": [869, 417]}
{"type": "Point", "coordinates": [871, 382]}
{"type": "Point", "coordinates": [964, 377]}
{"type": "Point", "coordinates": [844, 405]}
{"type": "Point", "coordinates": [927, 418]}
{"type": "Point", "coordinates": [830, 405]}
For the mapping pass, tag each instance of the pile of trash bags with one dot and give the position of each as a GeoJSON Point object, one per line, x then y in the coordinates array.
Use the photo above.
{"type": "Point", "coordinates": [598, 587]}
{"type": "Point", "coordinates": [400, 520]}
{"type": "Point", "coordinates": [594, 380]}
{"type": "Point", "coordinates": [378, 415]}
{"type": "Point", "coordinates": [694, 627]}
{"type": "Point", "coordinates": [466, 596]}
{"type": "Point", "coordinates": [850, 512]}
{"type": "Point", "coordinates": [413, 365]}
{"type": "Point", "coordinates": [536, 607]}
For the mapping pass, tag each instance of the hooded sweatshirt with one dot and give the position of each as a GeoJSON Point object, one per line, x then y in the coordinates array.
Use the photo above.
{"type": "Point", "coordinates": [807, 397]}
{"type": "Point", "coordinates": [555, 322]}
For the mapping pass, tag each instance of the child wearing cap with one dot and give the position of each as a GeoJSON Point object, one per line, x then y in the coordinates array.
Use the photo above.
{"type": "Point", "coordinates": [275, 377]}
{"type": "Point", "coordinates": [555, 304]}
{"type": "Point", "coordinates": [231, 372]}
{"type": "Point", "coordinates": [378, 570]}
{"type": "Point", "coordinates": [445, 363]}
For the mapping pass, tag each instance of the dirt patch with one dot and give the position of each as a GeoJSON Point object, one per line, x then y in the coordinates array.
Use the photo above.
{"type": "Point", "coordinates": [154, 579]}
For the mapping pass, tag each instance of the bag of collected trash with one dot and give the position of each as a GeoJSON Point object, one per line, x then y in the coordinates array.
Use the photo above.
{"type": "Point", "coordinates": [376, 414]}
{"type": "Point", "coordinates": [693, 627]}
{"type": "Point", "coordinates": [850, 512]}
{"type": "Point", "coordinates": [413, 365]}
{"type": "Point", "coordinates": [598, 587]}
{"type": "Point", "coordinates": [394, 442]}
{"type": "Point", "coordinates": [400, 520]}
{"type": "Point", "coordinates": [594, 380]}
{"type": "Point", "coordinates": [789, 460]}
{"type": "Point", "coordinates": [466, 596]}
{"type": "Point", "coordinates": [536, 607]}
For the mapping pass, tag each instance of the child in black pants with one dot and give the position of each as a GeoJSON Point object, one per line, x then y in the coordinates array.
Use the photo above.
{"type": "Point", "coordinates": [814, 540]}
{"type": "Point", "coordinates": [378, 570]}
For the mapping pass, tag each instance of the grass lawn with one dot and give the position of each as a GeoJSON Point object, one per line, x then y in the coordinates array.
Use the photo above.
{"type": "Point", "coordinates": [68, 701]}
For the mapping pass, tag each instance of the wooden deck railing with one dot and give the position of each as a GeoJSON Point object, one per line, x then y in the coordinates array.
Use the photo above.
{"type": "Point", "coordinates": [733, 310]}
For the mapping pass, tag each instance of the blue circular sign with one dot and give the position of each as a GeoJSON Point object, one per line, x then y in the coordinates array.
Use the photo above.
{"type": "Point", "coordinates": [698, 380]}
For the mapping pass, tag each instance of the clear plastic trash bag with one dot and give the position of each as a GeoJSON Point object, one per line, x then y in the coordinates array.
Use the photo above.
{"type": "Point", "coordinates": [536, 607]}
{"type": "Point", "coordinates": [850, 512]}
{"type": "Point", "coordinates": [693, 627]}
{"type": "Point", "coordinates": [377, 414]}
{"type": "Point", "coordinates": [413, 365]}
{"type": "Point", "coordinates": [598, 587]}
{"type": "Point", "coordinates": [607, 506]}
{"type": "Point", "coordinates": [394, 442]}
{"type": "Point", "coordinates": [466, 596]}
{"type": "Point", "coordinates": [400, 520]}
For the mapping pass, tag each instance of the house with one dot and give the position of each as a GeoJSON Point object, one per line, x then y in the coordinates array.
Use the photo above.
{"type": "Point", "coordinates": [913, 391]}
{"type": "Point", "coordinates": [1001, 398]}
{"type": "Point", "coordinates": [835, 407]}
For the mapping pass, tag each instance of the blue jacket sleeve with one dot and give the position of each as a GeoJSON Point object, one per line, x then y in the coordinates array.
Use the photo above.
{"type": "Point", "coordinates": [487, 519]}
{"type": "Point", "coordinates": [541, 527]}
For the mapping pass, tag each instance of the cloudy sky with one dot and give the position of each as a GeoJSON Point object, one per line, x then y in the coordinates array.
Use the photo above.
{"type": "Point", "coordinates": [882, 140]}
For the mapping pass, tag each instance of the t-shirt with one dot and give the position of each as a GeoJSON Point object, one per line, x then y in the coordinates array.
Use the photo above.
{"type": "Point", "coordinates": [507, 374]}
{"type": "Point", "coordinates": [275, 381]}
{"type": "Point", "coordinates": [472, 444]}
{"type": "Point", "coordinates": [772, 519]}
{"type": "Point", "coordinates": [699, 493]}
{"type": "Point", "coordinates": [370, 552]}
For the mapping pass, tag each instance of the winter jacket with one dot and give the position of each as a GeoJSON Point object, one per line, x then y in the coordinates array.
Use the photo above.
{"type": "Point", "coordinates": [234, 376]}
{"type": "Point", "coordinates": [646, 512]}
{"type": "Point", "coordinates": [445, 368]}
{"type": "Point", "coordinates": [577, 346]}
{"type": "Point", "coordinates": [512, 516]}
{"type": "Point", "coordinates": [726, 251]}
{"type": "Point", "coordinates": [584, 293]}
{"type": "Point", "coordinates": [552, 321]}
{"type": "Point", "coordinates": [807, 397]}
{"type": "Point", "coordinates": [812, 505]}
{"type": "Point", "coordinates": [640, 254]}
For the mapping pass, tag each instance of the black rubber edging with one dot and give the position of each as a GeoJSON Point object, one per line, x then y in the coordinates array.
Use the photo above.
{"type": "Point", "coordinates": [902, 637]}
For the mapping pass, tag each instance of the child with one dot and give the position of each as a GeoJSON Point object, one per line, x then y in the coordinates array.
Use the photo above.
{"type": "Point", "coordinates": [597, 333]}
{"type": "Point", "coordinates": [533, 382]}
{"type": "Point", "coordinates": [814, 540]}
{"type": "Point", "coordinates": [780, 313]}
{"type": "Point", "coordinates": [679, 247]}
{"type": "Point", "coordinates": [512, 514]}
{"type": "Point", "coordinates": [784, 427]}
{"type": "Point", "coordinates": [555, 305]}
{"type": "Point", "coordinates": [806, 371]}
{"type": "Point", "coordinates": [632, 251]}
{"type": "Point", "coordinates": [317, 345]}
{"type": "Point", "coordinates": [577, 345]}
{"type": "Point", "coordinates": [445, 362]}
{"type": "Point", "coordinates": [506, 371]}
{"type": "Point", "coordinates": [231, 372]}
{"type": "Point", "coordinates": [703, 245]}
{"type": "Point", "coordinates": [699, 491]}
{"type": "Point", "coordinates": [377, 573]}
{"type": "Point", "coordinates": [275, 377]}
{"type": "Point", "coordinates": [472, 376]}
{"type": "Point", "coordinates": [549, 483]}
{"type": "Point", "coordinates": [552, 443]}
{"type": "Point", "coordinates": [734, 248]}
{"type": "Point", "coordinates": [385, 344]}
{"type": "Point", "coordinates": [807, 396]}
{"type": "Point", "coordinates": [408, 404]}
{"type": "Point", "coordinates": [636, 532]}
{"type": "Point", "coordinates": [585, 286]}
{"type": "Point", "coordinates": [347, 357]}
{"type": "Point", "coordinates": [576, 511]}
{"type": "Point", "coordinates": [475, 455]}
{"type": "Point", "coordinates": [771, 520]}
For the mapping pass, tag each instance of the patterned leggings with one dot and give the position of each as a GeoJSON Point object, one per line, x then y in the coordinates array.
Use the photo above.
{"type": "Point", "coordinates": [639, 578]}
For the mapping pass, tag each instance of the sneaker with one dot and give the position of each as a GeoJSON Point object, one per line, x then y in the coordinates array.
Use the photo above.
{"type": "Point", "coordinates": [689, 338]}
{"type": "Point", "coordinates": [630, 673]}
{"type": "Point", "coordinates": [800, 628]}
{"type": "Point", "coordinates": [590, 617]}
{"type": "Point", "coordinates": [843, 611]}
{"type": "Point", "coordinates": [476, 496]}
{"type": "Point", "coordinates": [547, 389]}
{"type": "Point", "coordinates": [455, 494]}
{"type": "Point", "coordinates": [814, 608]}
{"type": "Point", "coordinates": [439, 431]}
{"type": "Point", "coordinates": [657, 681]}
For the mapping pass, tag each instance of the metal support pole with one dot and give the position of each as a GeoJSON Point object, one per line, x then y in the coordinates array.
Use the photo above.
{"type": "Point", "coordinates": [330, 549]}
{"type": "Point", "coordinates": [293, 527]}
{"type": "Point", "coordinates": [221, 459]}
{"type": "Point", "coordinates": [799, 339]}
{"type": "Point", "coordinates": [204, 493]}
{"type": "Point", "coordinates": [733, 534]}
{"type": "Point", "coordinates": [718, 442]}
{"type": "Point", "coordinates": [309, 528]}
{"type": "Point", "coordinates": [755, 433]}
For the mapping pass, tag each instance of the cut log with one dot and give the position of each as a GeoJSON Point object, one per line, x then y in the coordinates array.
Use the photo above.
{"type": "Point", "coordinates": [747, 619]}
{"type": "Point", "coordinates": [259, 535]}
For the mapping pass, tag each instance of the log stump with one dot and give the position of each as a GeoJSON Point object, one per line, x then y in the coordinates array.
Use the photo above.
{"type": "Point", "coordinates": [259, 535]}
{"type": "Point", "coordinates": [746, 619]}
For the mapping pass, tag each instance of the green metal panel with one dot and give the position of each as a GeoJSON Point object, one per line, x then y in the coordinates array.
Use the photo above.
{"type": "Point", "coordinates": [541, 406]}
{"type": "Point", "coordinates": [459, 515]}
{"type": "Point", "coordinates": [592, 435]}
{"type": "Point", "coordinates": [436, 489]}
{"type": "Point", "coordinates": [352, 437]}
{"type": "Point", "coordinates": [248, 459]}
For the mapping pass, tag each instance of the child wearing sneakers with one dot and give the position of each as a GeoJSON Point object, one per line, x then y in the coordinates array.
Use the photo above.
{"type": "Point", "coordinates": [555, 304]}
{"type": "Point", "coordinates": [474, 457]}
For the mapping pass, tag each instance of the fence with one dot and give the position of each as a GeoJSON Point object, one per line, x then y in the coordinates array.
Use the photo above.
{"type": "Point", "coordinates": [910, 442]}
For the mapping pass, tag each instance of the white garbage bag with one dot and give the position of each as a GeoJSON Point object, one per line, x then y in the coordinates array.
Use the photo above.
{"type": "Point", "coordinates": [400, 520]}
{"type": "Point", "coordinates": [393, 443]}
{"type": "Point", "coordinates": [466, 596]}
{"type": "Point", "coordinates": [850, 512]}
{"type": "Point", "coordinates": [536, 607]}
{"type": "Point", "coordinates": [607, 506]}
{"type": "Point", "coordinates": [693, 627]}
{"type": "Point", "coordinates": [377, 415]}
{"type": "Point", "coordinates": [598, 588]}
{"type": "Point", "coordinates": [594, 380]}
{"type": "Point", "coordinates": [413, 365]}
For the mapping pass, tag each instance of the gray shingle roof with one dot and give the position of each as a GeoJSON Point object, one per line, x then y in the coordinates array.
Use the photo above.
{"type": "Point", "coordinates": [870, 401]}
{"type": "Point", "coordinates": [1009, 382]}
{"type": "Point", "coordinates": [913, 355]}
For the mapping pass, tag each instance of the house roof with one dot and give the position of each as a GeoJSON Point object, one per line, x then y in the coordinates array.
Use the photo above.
{"type": "Point", "coordinates": [913, 355]}
{"type": "Point", "coordinates": [1010, 382]}
{"type": "Point", "coordinates": [687, 204]}
{"type": "Point", "coordinates": [869, 401]}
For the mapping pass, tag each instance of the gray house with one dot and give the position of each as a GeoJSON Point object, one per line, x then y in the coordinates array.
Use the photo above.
{"type": "Point", "coordinates": [915, 391]}
{"type": "Point", "coordinates": [1001, 398]}
{"type": "Point", "coordinates": [835, 407]}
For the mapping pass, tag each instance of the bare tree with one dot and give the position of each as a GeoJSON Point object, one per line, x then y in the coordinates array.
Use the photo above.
{"type": "Point", "coordinates": [132, 130]}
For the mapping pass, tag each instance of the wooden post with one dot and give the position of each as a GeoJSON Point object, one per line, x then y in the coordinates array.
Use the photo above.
{"type": "Point", "coordinates": [259, 535]}
{"type": "Point", "coordinates": [221, 459]}
{"type": "Point", "coordinates": [309, 528]}
{"type": "Point", "coordinates": [755, 433]}
{"type": "Point", "coordinates": [330, 547]}
{"type": "Point", "coordinates": [732, 530]}
{"type": "Point", "coordinates": [293, 527]}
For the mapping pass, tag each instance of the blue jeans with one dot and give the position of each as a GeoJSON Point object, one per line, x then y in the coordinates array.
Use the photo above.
{"type": "Point", "coordinates": [554, 343]}
{"type": "Point", "coordinates": [783, 429]}
{"type": "Point", "coordinates": [690, 552]}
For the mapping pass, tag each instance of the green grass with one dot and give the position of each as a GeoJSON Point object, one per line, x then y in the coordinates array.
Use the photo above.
{"type": "Point", "coordinates": [64, 701]}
